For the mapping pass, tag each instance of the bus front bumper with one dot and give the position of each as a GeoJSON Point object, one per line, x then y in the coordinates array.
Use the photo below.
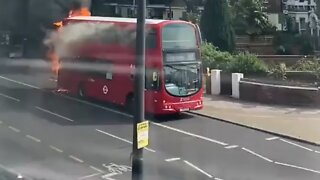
{"type": "Point", "coordinates": [173, 108]}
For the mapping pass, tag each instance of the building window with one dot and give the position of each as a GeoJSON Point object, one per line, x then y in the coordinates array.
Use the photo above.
{"type": "Point", "coordinates": [303, 24]}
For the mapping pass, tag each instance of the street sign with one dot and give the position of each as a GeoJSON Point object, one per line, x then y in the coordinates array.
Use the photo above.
{"type": "Point", "coordinates": [143, 134]}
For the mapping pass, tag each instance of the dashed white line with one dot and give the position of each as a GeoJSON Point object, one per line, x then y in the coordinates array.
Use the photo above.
{"type": "Point", "coordinates": [172, 159]}
{"type": "Point", "coordinates": [55, 114]}
{"type": "Point", "coordinates": [56, 149]}
{"type": "Point", "coordinates": [76, 159]}
{"type": "Point", "coordinates": [317, 152]}
{"type": "Point", "coordinates": [122, 139]}
{"type": "Point", "coordinates": [9, 97]}
{"type": "Point", "coordinates": [89, 176]}
{"type": "Point", "coordinates": [157, 124]}
{"type": "Point", "coordinates": [272, 138]}
{"type": "Point", "coordinates": [190, 134]}
{"type": "Point", "coordinates": [96, 169]}
{"type": "Point", "coordinates": [217, 179]}
{"type": "Point", "coordinates": [297, 145]}
{"type": "Point", "coordinates": [14, 129]}
{"type": "Point", "coordinates": [18, 82]}
{"type": "Point", "coordinates": [298, 167]}
{"type": "Point", "coordinates": [231, 147]}
{"type": "Point", "coordinates": [256, 154]}
{"type": "Point", "coordinates": [198, 169]}
{"type": "Point", "coordinates": [33, 138]}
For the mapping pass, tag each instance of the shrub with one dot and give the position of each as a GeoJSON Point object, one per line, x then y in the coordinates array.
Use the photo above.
{"type": "Point", "coordinates": [242, 63]}
{"type": "Point", "coordinates": [247, 64]}
{"type": "Point", "coordinates": [308, 65]}
{"type": "Point", "coordinates": [278, 71]}
{"type": "Point", "coordinates": [215, 59]}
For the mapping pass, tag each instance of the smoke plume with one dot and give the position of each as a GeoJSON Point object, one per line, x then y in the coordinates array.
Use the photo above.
{"type": "Point", "coordinates": [73, 36]}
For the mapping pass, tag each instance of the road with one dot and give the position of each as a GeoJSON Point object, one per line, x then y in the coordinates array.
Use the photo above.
{"type": "Point", "coordinates": [48, 135]}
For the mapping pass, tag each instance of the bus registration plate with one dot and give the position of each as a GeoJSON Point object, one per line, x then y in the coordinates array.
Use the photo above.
{"type": "Point", "coordinates": [184, 109]}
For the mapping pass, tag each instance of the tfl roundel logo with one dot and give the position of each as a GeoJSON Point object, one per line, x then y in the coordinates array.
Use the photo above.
{"type": "Point", "coordinates": [105, 89]}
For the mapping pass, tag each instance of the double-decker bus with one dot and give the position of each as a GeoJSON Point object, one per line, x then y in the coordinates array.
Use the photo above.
{"type": "Point", "coordinates": [173, 67]}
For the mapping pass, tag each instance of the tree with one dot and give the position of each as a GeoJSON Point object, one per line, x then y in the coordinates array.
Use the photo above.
{"type": "Point", "coordinates": [193, 4]}
{"type": "Point", "coordinates": [250, 17]}
{"type": "Point", "coordinates": [216, 25]}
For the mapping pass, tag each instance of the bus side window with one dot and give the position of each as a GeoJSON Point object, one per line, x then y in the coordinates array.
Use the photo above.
{"type": "Point", "coordinates": [109, 75]}
{"type": "Point", "coordinates": [109, 71]}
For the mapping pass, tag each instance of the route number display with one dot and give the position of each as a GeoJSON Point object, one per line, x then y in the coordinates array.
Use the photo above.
{"type": "Point", "coordinates": [143, 134]}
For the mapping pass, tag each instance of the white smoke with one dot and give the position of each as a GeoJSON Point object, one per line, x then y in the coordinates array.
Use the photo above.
{"type": "Point", "coordinates": [73, 36]}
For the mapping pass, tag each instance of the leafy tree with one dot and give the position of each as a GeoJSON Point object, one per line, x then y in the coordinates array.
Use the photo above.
{"type": "Point", "coordinates": [191, 17]}
{"type": "Point", "coordinates": [216, 25]}
{"type": "Point", "coordinates": [250, 17]}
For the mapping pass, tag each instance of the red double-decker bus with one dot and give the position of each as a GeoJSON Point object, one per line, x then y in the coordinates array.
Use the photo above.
{"type": "Point", "coordinates": [173, 67]}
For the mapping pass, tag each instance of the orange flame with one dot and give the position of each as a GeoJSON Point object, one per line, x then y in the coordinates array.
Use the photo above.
{"type": "Point", "coordinates": [51, 53]}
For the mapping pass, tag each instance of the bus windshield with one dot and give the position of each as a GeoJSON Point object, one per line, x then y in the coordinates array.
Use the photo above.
{"type": "Point", "coordinates": [179, 36]}
{"type": "Point", "coordinates": [182, 80]}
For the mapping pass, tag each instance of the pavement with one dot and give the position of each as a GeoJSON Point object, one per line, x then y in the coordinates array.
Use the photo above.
{"type": "Point", "coordinates": [301, 123]}
{"type": "Point", "coordinates": [48, 135]}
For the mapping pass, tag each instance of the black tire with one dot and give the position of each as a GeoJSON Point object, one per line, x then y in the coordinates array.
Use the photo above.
{"type": "Point", "coordinates": [81, 92]}
{"type": "Point", "coordinates": [129, 105]}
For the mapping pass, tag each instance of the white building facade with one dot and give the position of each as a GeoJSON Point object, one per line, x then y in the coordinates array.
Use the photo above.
{"type": "Point", "coordinates": [303, 13]}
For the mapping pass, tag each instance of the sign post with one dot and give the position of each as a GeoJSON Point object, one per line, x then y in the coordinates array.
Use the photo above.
{"type": "Point", "coordinates": [139, 138]}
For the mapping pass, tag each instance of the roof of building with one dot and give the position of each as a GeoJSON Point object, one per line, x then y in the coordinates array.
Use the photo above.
{"type": "Point", "coordinates": [115, 19]}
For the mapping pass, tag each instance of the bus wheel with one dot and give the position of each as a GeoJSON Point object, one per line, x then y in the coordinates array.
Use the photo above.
{"type": "Point", "coordinates": [81, 92]}
{"type": "Point", "coordinates": [129, 105]}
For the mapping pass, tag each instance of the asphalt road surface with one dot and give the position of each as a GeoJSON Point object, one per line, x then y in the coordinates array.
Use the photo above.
{"type": "Point", "coordinates": [48, 135]}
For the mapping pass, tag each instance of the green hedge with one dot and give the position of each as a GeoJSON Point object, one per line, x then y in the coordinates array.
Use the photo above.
{"type": "Point", "coordinates": [234, 63]}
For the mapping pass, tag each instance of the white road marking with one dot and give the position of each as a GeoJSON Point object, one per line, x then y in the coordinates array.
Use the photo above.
{"type": "Point", "coordinates": [9, 97]}
{"type": "Point", "coordinates": [231, 147]}
{"type": "Point", "coordinates": [76, 159]}
{"type": "Point", "coordinates": [121, 113]}
{"type": "Point", "coordinates": [256, 154]}
{"type": "Point", "coordinates": [149, 149]}
{"type": "Point", "coordinates": [19, 176]}
{"type": "Point", "coordinates": [96, 169]}
{"type": "Point", "coordinates": [297, 167]}
{"type": "Point", "coordinates": [14, 129]}
{"type": "Point", "coordinates": [33, 138]}
{"type": "Point", "coordinates": [116, 137]}
{"type": "Point", "coordinates": [108, 176]}
{"type": "Point", "coordinates": [198, 169]}
{"type": "Point", "coordinates": [190, 134]}
{"type": "Point", "coordinates": [55, 114]}
{"type": "Point", "coordinates": [272, 138]}
{"type": "Point", "coordinates": [297, 145]}
{"type": "Point", "coordinates": [18, 82]}
{"type": "Point", "coordinates": [317, 152]}
{"type": "Point", "coordinates": [89, 176]}
{"type": "Point", "coordinates": [157, 124]}
{"type": "Point", "coordinates": [173, 159]}
{"type": "Point", "coordinates": [122, 139]}
{"type": "Point", "coordinates": [56, 149]}
{"type": "Point", "coordinates": [217, 179]}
